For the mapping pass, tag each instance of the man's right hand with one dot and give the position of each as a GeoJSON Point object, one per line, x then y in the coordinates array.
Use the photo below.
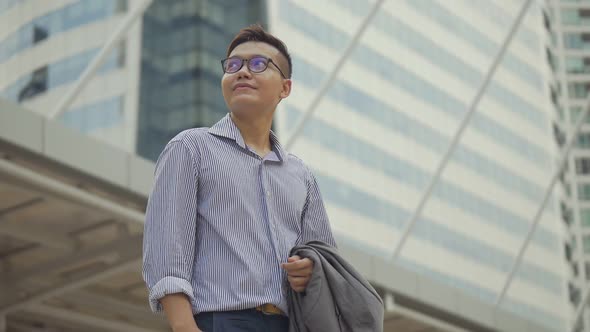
{"type": "Point", "coordinates": [179, 313]}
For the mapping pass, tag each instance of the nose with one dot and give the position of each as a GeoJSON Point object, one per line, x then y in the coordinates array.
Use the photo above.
{"type": "Point", "coordinates": [244, 71]}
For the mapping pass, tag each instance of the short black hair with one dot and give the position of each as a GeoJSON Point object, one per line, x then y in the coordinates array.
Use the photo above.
{"type": "Point", "coordinates": [257, 33]}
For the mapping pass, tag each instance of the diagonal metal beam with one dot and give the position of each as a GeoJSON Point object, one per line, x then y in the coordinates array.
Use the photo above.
{"type": "Point", "coordinates": [329, 81]}
{"type": "Point", "coordinates": [32, 324]}
{"type": "Point", "coordinates": [95, 64]}
{"type": "Point", "coordinates": [30, 234]}
{"type": "Point", "coordinates": [20, 206]}
{"type": "Point", "coordinates": [113, 302]}
{"type": "Point", "coordinates": [65, 286]}
{"type": "Point", "coordinates": [87, 320]}
{"type": "Point", "coordinates": [459, 133]}
{"type": "Point", "coordinates": [86, 254]}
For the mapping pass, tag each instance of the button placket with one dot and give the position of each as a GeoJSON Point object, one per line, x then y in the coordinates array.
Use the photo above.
{"type": "Point", "coordinates": [273, 229]}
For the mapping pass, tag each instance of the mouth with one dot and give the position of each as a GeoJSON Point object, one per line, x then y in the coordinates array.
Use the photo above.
{"type": "Point", "coordinates": [243, 86]}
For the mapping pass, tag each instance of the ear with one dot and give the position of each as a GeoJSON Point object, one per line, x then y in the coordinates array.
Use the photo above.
{"type": "Point", "coordinates": [286, 91]}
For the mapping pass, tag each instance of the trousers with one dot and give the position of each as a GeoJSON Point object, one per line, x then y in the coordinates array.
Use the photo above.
{"type": "Point", "coordinates": [249, 320]}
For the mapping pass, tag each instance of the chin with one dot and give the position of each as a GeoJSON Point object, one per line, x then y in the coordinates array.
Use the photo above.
{"type": "Point", "coordinates": [243, 106]}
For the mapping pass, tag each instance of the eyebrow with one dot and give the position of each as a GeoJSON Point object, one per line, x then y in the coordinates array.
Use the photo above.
{"type": "Point", "coordinates": [249, 57]}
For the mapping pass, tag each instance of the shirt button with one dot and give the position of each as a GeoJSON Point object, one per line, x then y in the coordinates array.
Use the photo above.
{"type": "Point", "coordinates": [268, 193]}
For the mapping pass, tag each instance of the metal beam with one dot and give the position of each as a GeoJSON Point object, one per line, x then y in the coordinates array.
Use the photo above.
{"type": "Point", "coordinates": [537, 217]}
{"type": "Point", "coordinates": [111, 302]}
{"type": "Point", "coordinates": [68, 285]}
{"type": "Point", "coordinates": [30, 234]}
{"type": "Point", "coordinates": [20, 206]}
{"type": "Point", "coordinates": [459, 133]}
{"type": "Point", "coordinates": [69, 193]}
{"type": "Point", "coordinates": [327, 83]}
{"type": "Point", "coordinates": [11, 295]}
{"type": "Point", "coordinates": [83, 319]}
{"type": "Point", "coordinates": [86, 254]}
{"type": "Point", "coordinates": [31, 326]}
{"type": "Point", "coordinates": [95, 64]}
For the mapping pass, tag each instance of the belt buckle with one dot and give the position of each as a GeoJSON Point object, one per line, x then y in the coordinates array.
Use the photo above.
{"type": "Point", "coordinates": [269, 309]}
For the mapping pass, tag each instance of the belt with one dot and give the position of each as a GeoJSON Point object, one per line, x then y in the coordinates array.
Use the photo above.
{"type": "Point", "coordinates": [270, 309]}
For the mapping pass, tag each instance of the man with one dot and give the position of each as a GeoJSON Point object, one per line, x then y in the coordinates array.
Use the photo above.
{"type": "Point", "coordinates": [229, 203]}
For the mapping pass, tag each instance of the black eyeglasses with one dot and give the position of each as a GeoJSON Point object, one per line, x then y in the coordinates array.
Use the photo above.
{"type": "Point", "coordinates": [257, 64]}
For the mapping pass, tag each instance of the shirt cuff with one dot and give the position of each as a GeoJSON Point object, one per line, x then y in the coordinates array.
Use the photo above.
{"type": "Point", "coordinates": [169, 285]}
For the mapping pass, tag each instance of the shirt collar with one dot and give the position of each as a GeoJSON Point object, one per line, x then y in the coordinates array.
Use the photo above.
{"type": "Point", "coordinates": [227, 128]}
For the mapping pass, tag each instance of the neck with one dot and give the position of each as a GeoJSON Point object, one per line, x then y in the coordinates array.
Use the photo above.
{"type": "Point", "coordinates": [255, 131]}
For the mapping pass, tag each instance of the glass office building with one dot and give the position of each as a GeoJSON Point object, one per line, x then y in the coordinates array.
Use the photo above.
{"type": "Point", "coordinates": [183, 42]}
{"type": "Point", "coordinates": [44, 48]}
{"type": "Point", "coordinates": [162, 78]}
{"type": "Point", "coordinates": [379, 133]}
{"type": "Point", "coordinates": [569, 26]}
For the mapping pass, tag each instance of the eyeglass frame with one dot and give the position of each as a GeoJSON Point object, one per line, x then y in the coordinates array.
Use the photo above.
{"type": "Point", "coordinates": [269, 60]}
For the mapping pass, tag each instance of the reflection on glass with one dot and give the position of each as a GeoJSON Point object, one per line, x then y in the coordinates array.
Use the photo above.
{"type": "Point", "coordinates": [58, 73]}
{"type": "Point", "coordinates": [36, 85]}
{"type": "Point", "coordinates": [65, 18]}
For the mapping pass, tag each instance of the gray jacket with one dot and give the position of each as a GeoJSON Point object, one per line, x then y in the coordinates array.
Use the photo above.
{"type": "Point", "coordinates": [337, 298]}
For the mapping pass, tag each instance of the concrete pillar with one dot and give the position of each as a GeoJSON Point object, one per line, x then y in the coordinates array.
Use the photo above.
{"type": "Point", "coordinates": [3, 327]}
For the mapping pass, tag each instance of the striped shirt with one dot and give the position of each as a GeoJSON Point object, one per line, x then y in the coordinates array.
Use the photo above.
{"type": "Point", "coordinates": [220, 220]}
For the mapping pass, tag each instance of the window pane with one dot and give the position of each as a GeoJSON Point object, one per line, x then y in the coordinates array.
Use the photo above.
{"type": "Point", "coordinates": [585, 217]}
{"type": "Point", "coordinates": [586, 243]}
{"type": "Point", "coordinates": [584, 192]}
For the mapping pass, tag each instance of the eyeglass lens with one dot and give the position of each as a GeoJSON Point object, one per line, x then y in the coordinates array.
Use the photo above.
{"type": "Point", "coordinates": [256, 64]}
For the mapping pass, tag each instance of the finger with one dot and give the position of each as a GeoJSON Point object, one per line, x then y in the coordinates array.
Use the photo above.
{"type": "Point", "coordinates": [301, 264]}
{"type": "Point", "coordinates": [293, 259]}
{"type": "Point", "coordinates": [299, 273]}
{"type": "Point", "coordinates": [298, 281]}
{"type": "Point", "coordinates": [299, 289]}
{"type": "Point", "coordinates": [292, 270]}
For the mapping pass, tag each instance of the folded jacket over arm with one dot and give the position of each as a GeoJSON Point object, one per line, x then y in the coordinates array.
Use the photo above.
{"type": "Point", "coordinates": [337, 297]}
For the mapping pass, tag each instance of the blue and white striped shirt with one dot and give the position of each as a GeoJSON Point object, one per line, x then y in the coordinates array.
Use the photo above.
{"type": "Point", "coordinates": [220, 220]}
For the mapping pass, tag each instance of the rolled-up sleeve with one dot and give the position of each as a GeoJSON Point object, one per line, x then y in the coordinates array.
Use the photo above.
{"type": "Point", "coordinates": [170, 225]}
{"type": "Point", "coordinates": [315, 225]}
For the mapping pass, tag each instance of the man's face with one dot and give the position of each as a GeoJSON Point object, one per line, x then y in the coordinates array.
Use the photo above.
{"type": "Point", "coordinates": [246, 91]}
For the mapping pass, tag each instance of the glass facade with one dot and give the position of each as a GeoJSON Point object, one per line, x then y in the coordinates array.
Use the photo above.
{"type": "Point", "coordinates": [102, 114]}
{"type": "Point", "coordinates": [62, 72]}
{"type": "Point", "coordinates": [585, 218]}
{"type": "Point", "coordinates": [60, 66]}
{"type": "Point", "coordinates": [183, 42]}
{"type": "Point", "coordinates": [575, 29]}
{"type": "Point", "coordinates": [577, 41]}
{"type": "Point", "coordinates": [578, 90]}
{"type": "Point", "coordinates": [584, 192]}
{"type": "Point", "coordinates": [575, 112]}
{"type": "Point", "coordinates": [7, 4]}
{"type": "Point", "coordinates": [63, 19]}
{"type": "Point", "coordinates": [575, 16]}
{"type": "Point", "coordinates": [352, 94]}
{"type": "Point", "coordinates": [577, 65]}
